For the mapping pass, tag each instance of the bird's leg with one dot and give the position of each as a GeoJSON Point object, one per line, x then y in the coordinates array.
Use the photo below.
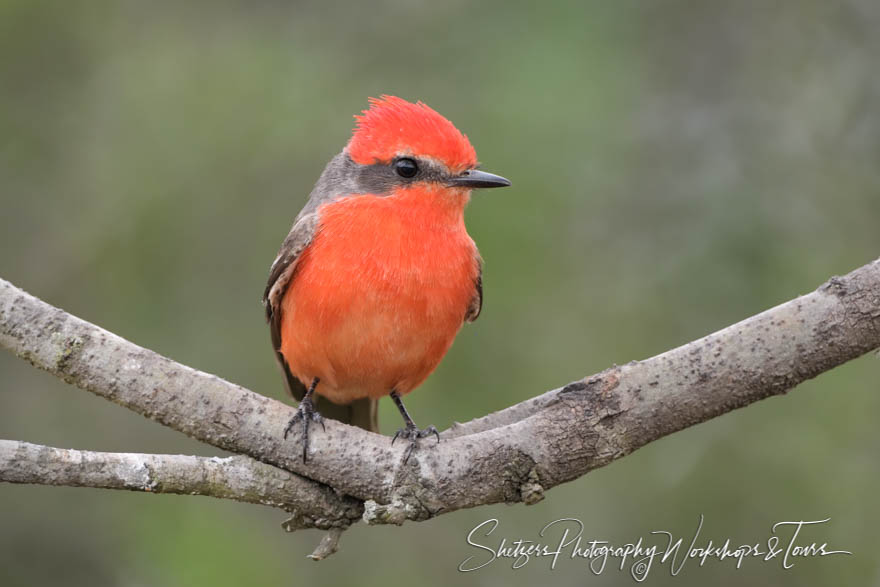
{"type": "Point", "coordinates": [409, 431]}
{"type": "Point", "coordinates": [307, 413]}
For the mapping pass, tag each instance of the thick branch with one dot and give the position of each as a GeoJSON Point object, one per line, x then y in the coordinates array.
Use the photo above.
{"type": "Point", "coordinates": [238, 477]}
{"type": "Point", "coordinates": [512, 455]}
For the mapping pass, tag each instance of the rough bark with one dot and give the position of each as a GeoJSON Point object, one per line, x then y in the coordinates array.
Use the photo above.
{"type": "Point", "coordinates": [237, 477]}
{"type": "Point", "coordinates": [510, 456]}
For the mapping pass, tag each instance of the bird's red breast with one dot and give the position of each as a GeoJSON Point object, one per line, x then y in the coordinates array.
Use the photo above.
{"type": "Point", "coordinates": [380, 293]}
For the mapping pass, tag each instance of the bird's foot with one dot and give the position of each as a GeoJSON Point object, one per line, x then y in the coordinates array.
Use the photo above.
{"type": "Point", "coordinates": [306, 414]}
{"type": "Point", "coordinates": [413, 434]}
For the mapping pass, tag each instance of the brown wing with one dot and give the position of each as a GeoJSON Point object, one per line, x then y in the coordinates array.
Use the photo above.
{"type": "Point", "coordinates": [476, 305]}
{"type": "Point", "coordinates": [280, 275]}
{"type": "Point", "coordinates": [362, 412]}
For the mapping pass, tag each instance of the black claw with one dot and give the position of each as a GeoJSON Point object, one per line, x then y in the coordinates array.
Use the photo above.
{"type": "Point", "coordinates": [291, 423]}
{"type": "Point", "coordinates": [307, 414]}
{"type": "Point", "coordinates": [410, 431]}
{"type": "Point", "coordinates": [409, 450]}
{"type": "Point", "coordinates": [319, 419]}
{"type": "Point", "coordinates": [305, 439]}
{"type": "Point", "coordinates": [431, 430]}
{"type": "Point", "coordinates": [413, 434]}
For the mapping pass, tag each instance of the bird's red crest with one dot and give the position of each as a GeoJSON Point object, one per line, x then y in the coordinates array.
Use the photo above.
{"type": "Point", "coordinates": [392, 126]}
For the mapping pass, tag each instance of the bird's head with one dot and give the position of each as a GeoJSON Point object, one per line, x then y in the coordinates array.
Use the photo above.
{"type": "Point", "coordinates": [408, 143]}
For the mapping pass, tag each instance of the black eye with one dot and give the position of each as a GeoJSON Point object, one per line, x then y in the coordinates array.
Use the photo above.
{"type": "Point", "coordinates": [406, 168]}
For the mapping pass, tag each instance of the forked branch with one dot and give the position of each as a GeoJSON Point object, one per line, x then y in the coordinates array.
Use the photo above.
{"type": "Point", "coordinates": [510, 456]}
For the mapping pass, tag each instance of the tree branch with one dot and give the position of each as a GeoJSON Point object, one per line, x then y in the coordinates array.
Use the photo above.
{"type": "Point", "coordinates": [237, 477]}
{"type": "Point", "coordinates": [509, 456]}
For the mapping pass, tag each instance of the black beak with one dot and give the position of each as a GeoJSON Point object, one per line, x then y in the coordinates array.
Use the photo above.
{"type": "Point", "coordinates": [474, 178]}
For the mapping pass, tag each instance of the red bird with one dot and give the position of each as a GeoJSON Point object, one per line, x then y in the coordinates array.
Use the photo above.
{"type": "Point", "coordinates": [378, 273]}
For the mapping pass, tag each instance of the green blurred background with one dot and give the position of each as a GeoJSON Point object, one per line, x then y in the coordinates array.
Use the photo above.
{"type": "Point", "coordinates": [677, 166]}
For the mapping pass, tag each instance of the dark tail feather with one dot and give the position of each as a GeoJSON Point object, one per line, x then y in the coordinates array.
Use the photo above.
{"type": "Point", "coordinates": [363, 413]}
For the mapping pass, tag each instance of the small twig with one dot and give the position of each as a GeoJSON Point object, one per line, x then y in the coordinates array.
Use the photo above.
{"type": "Point", "coordinates": [328, 545]}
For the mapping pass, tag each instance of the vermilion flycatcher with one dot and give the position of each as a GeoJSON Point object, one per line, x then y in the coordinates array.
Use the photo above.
{"type": "Point", "coordinates": [378, 273]}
